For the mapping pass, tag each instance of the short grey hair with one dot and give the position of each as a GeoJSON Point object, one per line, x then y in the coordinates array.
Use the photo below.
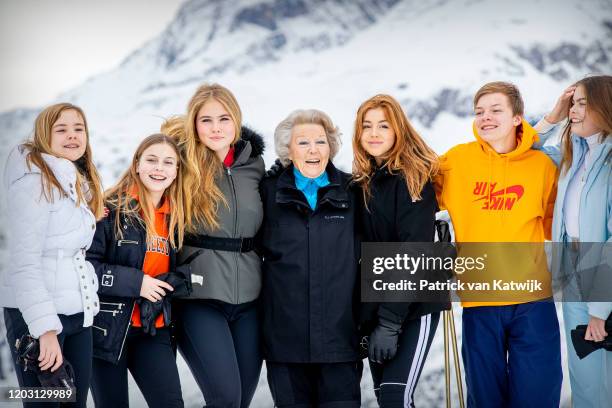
{"type": "Point", "coordinates": [282, 134]}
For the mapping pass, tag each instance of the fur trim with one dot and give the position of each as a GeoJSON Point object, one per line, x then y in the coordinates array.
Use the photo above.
{"type": "Point", "coordinates": [256, 140]}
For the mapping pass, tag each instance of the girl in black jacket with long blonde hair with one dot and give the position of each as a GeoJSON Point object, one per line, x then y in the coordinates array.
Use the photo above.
{"type": "Point", "coordinates": [134, 254]}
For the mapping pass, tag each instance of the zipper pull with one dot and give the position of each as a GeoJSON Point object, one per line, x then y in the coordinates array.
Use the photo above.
{"type": "Point", "coordinates": [229, 171]}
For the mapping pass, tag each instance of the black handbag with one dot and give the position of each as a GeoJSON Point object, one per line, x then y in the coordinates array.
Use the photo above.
{"type": "Point", "coordinates": [585, 347]}
{"type": "Point", "coordinates": [28, 350]}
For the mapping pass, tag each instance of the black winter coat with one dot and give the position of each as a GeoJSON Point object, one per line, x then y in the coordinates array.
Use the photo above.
{"type": "Point", "coordinates": [310, 271]}
{"type": "Point", "coordinates": [118, 264]}
{"type": "Point", "coordinates": [392, 216]}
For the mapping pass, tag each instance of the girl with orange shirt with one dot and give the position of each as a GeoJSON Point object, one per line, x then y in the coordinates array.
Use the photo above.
{"type": "Point", "coordinates": [133, 252]}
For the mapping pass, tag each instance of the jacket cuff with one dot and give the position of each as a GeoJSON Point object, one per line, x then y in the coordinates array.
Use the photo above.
{"type": "Point", "coordinates": [544, 126]}
{"type": "Point", "coordinates": [44, 324]}
{"type": "Point", "coordinates": [388, 315]}
{"type": "Point", "coordinates": [600, 310]}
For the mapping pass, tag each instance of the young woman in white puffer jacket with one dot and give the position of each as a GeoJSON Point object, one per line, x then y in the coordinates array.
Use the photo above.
{"type": "Point", "coordinates": [48, 288]}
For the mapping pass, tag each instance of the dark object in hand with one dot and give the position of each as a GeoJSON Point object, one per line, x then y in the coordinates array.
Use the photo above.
{"type": "Point", "coordinates": [585, 347]}
{"type": "Point", "coordinates": [28, 350]}
{"type": "Point", "coordinates": [383, 340]}
{"type": "Point", "coordinates": [150, 310]}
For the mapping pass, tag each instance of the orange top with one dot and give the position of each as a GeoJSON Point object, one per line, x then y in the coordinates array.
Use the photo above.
{"type": "Point", "coordinates": [157, 257]}
{"type": "Point", "coordinates": [501, 198]}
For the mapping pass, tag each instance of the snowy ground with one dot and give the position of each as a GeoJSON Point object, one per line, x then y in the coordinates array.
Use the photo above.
{"type": "Point", "coordinates": [429, 393]}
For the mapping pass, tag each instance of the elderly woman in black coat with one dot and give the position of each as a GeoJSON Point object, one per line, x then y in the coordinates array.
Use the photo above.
{"type": "Point", "coordinates": [310, 269]}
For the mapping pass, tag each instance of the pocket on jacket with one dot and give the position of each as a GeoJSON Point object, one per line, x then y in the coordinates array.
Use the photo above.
{"type": "Point", "coordinates": [106, 328]}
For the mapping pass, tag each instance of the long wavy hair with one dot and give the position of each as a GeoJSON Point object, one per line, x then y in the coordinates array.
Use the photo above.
{"type": "Point", "coordinates": [88, 186]}
{"type": "Point", "coordinates": [598, 91]}
{"type": "Point", "coordinates": [202, 194]}
{"type": "Point", "coordinates": [120, 197]}
{"type": "Point", "coordinates": [409, 156]}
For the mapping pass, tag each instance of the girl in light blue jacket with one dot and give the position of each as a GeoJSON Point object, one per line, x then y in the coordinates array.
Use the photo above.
{"type": "Point", "coordinates": [583, 216]}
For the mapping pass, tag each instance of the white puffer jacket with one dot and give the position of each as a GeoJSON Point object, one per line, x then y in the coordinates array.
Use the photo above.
{"type": "Point", "coordinates": [47, 273]}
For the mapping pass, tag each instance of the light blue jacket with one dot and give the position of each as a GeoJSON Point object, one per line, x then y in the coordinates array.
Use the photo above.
{"type": "Point", "coordinates": [595, 200]}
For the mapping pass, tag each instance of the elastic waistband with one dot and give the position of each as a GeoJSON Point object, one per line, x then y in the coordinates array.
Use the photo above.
{"type": "Point", "coordinates": [220, 244]}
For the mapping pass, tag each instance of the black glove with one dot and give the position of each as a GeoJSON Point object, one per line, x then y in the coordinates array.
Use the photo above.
{"type": "Point", "coordinates": [383, 340]}
{"type": "Point", "coordinates": [276, 169]}
{"type": "Point", "coordinates": [149, 312]}
{"type": "Point", "coordinates": [178, 280]}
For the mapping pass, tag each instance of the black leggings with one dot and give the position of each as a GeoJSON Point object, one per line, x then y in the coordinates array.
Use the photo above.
{"type": "Point", "coordinates": [396, 380]}
{"type": "Point", "coordinates": [152, 363]}
{"type": "Point", "coordinates": [221, 344]}
{"type": "Point", "coordinates": [76, 343]}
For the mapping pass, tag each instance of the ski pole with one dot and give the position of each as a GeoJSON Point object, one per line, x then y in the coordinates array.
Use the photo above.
{"type": "Point", "coordinates": [446, 360]}
{"type": "Point", "coordinates": [456, 357]}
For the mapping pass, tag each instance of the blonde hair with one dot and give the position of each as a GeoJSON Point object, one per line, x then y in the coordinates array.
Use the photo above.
{"type": "Point", "coordinates": [505, 88]}
{"type": "Point", "coordinates": [598, 92]}
{"type": "Point", "coordinates": [174, 127]}
{"type": "Point", "coordinates": [120, 199]}
{"type": "Point", "coordinates": [202, 194]}
{"type": "Point", "coordinates": [410, 155]}
{"type": "Point", "coordinates": [86, 170]}
{"type": "Point", "coordinates": [282, 134]}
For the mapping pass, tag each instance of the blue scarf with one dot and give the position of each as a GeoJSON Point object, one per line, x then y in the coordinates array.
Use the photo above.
{"type": "Point", "coordinates": [310, 186]}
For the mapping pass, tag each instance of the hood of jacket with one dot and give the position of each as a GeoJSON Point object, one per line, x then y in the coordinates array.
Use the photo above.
{"type": "Point", "coordinates": [17, 167]}
{"type": "Point", "coordinates": [526, 137]}
{"type": "Point", "coordinates": [250, 145]}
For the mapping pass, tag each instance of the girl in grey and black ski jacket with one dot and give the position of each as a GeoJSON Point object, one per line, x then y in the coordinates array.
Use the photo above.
{"type": "Point", "coordinates": [228, 269]}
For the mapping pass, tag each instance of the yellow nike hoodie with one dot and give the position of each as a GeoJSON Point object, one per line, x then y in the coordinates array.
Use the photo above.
{"type": "Point", "coordinates": [494, 197]}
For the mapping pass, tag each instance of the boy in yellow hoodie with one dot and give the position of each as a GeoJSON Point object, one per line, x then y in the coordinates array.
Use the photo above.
{"type": "Point", "coordinates": [496, 189]}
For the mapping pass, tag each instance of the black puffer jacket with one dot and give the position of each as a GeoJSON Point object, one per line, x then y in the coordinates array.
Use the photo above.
{"type": "Point", "coordinates": [392, 216]}
{"type": "Point", "coordinates": [118, 264]}
{"type": "Point", "coordinates": [310, 271]}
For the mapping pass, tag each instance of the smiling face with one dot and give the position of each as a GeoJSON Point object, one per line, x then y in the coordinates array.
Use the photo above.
{"type": "Point", "coordinates": [68, 136]}
{"type": "Point", "coordinates": [581, 122]}
{"type": "Point", "coordinates": [157, 168]}
{"type": "Point", "coordinates": [495, 121]}
{"type": "Point", "coordinates": [215, 127]}
{"type": "Point", "coordinates": [309, 149]}
{"type": "Point", "coordinates": [377, 137]}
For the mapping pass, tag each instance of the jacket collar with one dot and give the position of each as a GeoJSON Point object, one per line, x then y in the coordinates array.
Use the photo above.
{"type": "Point", "coordinates": [250, 144]}
{"type": "Point", "coordinates": [302, 181]}
{"type": "Point", "coordinates": [333, 193]}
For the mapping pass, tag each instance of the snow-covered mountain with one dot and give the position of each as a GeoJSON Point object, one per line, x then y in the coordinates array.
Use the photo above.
{"type": "Point", "coordinates": [280, 55]}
